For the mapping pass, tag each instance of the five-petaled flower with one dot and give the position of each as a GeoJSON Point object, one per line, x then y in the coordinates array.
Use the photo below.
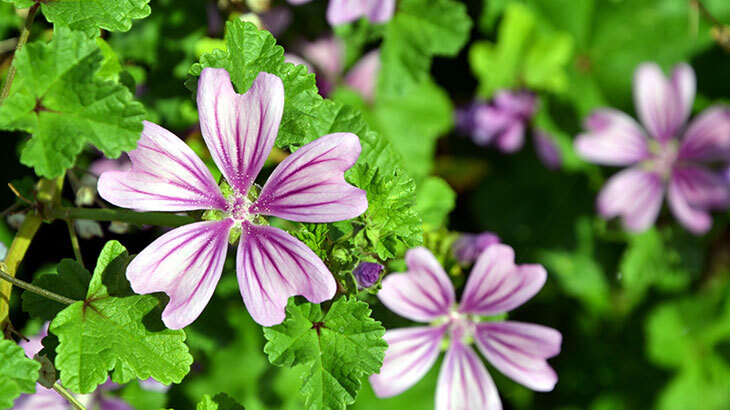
{"type": "Point", "coordinates": [674, 159]}
{"type": "Point", "coordinates": [425, 294]}
{"type": "Point", "coordinates": [239, 130]}
{"type": "Point", "coordinates": [346, 11]}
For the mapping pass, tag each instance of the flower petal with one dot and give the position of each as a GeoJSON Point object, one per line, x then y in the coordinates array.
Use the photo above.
{"type": "Point", "coordinates": [411, 354]}
{"type": "Point", "coordinates": [662, 105]}
{"type": "Point", "coordinates": [345, 11]}
{"type": "Point", "coordinates": [635, 195]}
{"type": "Point", "coordinates": [464, 383]}
{"type": "Point", "coordinates": [185, 263]}
{"type": "Point", "coordinates": [327, 54]}
{"type": "Point", "coordinates": [512, 138]}
{"type": "Point", "coordinates": [272, 266]}
{"type": "Point", "coordinates": [239, 129]}
{"type": "Point", "coordinates": [166, 175]}
{"type": "Point", "coordinates": [380, 11]}
{"type": "Point", "coordinates": [693, 191]}
{"type": "Point", "coordinates": [309, 185]}
{"type": "Point", "coordinates": [519, 350]}
{"type": "Point", "coordinates": [496, 285]}
{"type": "Point", "coordinates": [547, 149]}
{"type": "Point", "coordinates": [42, 399]}
{"type": "Point", "coordinates": [708, 136]}
{"type": "Point", "coordinates": [423, 293]}
{"type": "Point", "coordinates": [363, 75]}
{"type": "Point", "coordinates": [613, 138]}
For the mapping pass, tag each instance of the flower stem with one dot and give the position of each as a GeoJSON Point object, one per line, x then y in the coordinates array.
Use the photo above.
{"type": "Point", "coordinates": [75, 242]}
{"type": "Point", "coordinates": [68, 396]}
{"type": "Point", "coordinates": [122, 215]}
{"type": "Point", "coordinates": [35, 289]}
{"type": "Point", "coordinates": [21, 42]}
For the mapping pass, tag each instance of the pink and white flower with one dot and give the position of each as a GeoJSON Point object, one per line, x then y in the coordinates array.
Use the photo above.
{"type": "Point", "coordinates": [346, 11]}
{"type": "Point", "coordinates": [425, 294]}
{"type": "Point", "coordinates": [663, 156]}
{"type": "Point", "coordinates": [239, 130]}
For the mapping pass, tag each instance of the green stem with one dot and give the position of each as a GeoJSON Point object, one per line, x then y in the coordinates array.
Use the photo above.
{"type": "Point", "coordinates": [122, 215]}
{"type": "Point", "coordinates": [68, 396]}
{"type": "Point", "coordinates": [21, 42]}
{"type": "Point", "coordinates": [75, 242]}
{"type": "Point", "coordinates": [35, 289]}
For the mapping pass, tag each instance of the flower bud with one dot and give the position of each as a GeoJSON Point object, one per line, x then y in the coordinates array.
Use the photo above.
{"type": "Point", "coordinates": [367, 274]}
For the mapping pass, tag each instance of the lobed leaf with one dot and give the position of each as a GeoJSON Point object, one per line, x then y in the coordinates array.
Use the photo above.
{"type": "Point", "coordinates": [18, 373]}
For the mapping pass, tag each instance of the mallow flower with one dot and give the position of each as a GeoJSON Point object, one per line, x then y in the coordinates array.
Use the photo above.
{"type": "Point", "coordinates": [502, 123]}
{"type": "Point", "coordinates": [667, 155]}
{"type": "Point", "coordinates": [469, 246]}
{"type": "Point", "coordinates": [346, 11]}
{"type": "Point", "coordinates": [425, 294]}
{"type": "Point", "coordinates": [239, 130]}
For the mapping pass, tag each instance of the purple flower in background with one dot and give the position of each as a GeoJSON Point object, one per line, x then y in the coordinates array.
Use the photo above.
{"type": "Point", "coordinates": [367, 274]}
{"type": "Point", "coordinates": [239, 130]}
{"type": "Point", "coordinates": [326, 58]}
{"type": "Point", "coordinates": [425, 294]}
{"type": "Point", "coordinates": [502, 123]}
{"type": "Point", "coordinates": [469, 246]}
{"type": "Point", "coordinates": [48, 399]}
{"type": "Point", "coordinates": [664, 155]}
{"type": "Point", "coordinates": [346, 11]}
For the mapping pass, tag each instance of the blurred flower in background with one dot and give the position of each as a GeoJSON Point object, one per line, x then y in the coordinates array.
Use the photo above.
{"type": "Point", "coordinates": [663, 155]}
{"type": "Point", "coordinates": [469, 246]}
{"type": "Point", "coordinates": [346, 11]}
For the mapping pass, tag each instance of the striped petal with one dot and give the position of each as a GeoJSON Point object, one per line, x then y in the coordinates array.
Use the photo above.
{"type": "Point", "coordinates": [519, 350]}
{"type": "Point", "coordinates": [272, 266]}
{"type": "Point", "coordinates": [166, 175]}
{"type": "Point", "coordinates": [708, 136]}
{"type": "Point", "coordinates": [310, 186]}
{"type": "Point", "coordinates": [464, 383]}
{"type": "Point", "coordinates": [239, 129]}
{"type": "Point", "coordinates": [634, 194]}
{"type": "Point", "coordinates": [185, 263]}
{"type": "Point", "coordinates": [692, 192]}
{"type": "Point", "coordinates": [496, 285]}
{"type": "Point", "coordinates": [423, 293]}
{"type": "Point", "coordinates": [663, 104]}
{"type": "Point", "coordinates": [411, 354]}
{"type": "Point", "coordinates": [613, 138]}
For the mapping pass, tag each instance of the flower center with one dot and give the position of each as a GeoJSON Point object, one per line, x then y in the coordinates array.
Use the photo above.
{"type": "Point", "coordinates": [237, 209]}
{"type": "Point", "coordinates": [663, 159]}
{"type": "Point", "coordinates": [461, 326]}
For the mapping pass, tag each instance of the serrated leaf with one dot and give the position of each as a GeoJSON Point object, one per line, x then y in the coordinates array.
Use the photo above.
{"type": "Point", "coordinates": [18, 373]}
{"type": "Point", "coordinates": [339, 348]}
{"type": "Point", "coordinates": [90, 16]}
{"type": "Point", "coordinates": [57, 97]}
{"type": "Point", "coordinates": [105, 333]}
{"type": "Point", "coordinates": [250, 51]}
{"type": "Point", "coordinates": [391, 219]}
{"type": "Point", "coordinates": [220, 401]}
{"type": "Point", "coordinates": [420, 30]}
{"type": "Point", "coordinates": [71, 280]}
{"type": "Point", "coordinates": [434, 201]}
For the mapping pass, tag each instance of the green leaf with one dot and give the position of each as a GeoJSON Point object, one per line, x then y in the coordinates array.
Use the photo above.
{"type": "Point", "coordinates": [434, 201]}
{"type": "Point", "coordinates": [420, 30]}
{"type": "Point", "coordinates": [523, 55]}
{"type": "Point", "coordinates": [250, 51]}
{"type": "Point", "coordinates": [339, 348]}
{"type": "Point", "coordinates": [90, 16]}
{"type": "Point", "coordinates": [18, 373]}
{"type": "Point", "coordinates": [71, 280]}
{"type": "Point", "coordinates": [220, 401]}
{"type": "Point", "coordinates": [391, 219]}
{"type": "Point", "coordinates": [57, 98]}
{"type": "Point", "coordinates": [105, 333]}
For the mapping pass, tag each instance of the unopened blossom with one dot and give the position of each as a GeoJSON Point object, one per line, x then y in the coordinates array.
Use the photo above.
{"type": "Point", "coordinates": [346, 11]}
{"type": "Point", "coordinates": [469, 246]}
{"type": "Point", "coordinates": [326, 57]}
{"type": "Point", "coordinates": [49, 399]}
{"type": "Point", "coordinates": [239, 130]}
{"type": "Point", "coordinates": [367, 274]}
{"type": "Point", "coordinates": [502, 123]}
{"type": "Point", "coordinates": [425, 294]}
{"type": "Point", "coordinates": [665, 156]}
